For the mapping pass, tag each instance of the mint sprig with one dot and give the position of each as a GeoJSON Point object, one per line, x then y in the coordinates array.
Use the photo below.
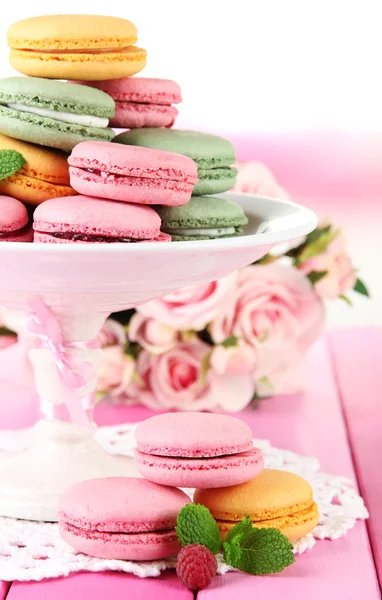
{"type": "Point", "coordinates": [247, 548]}
{"type": "Point", "coordinates": [10, 162]}
{"type": "Point", "coordinates": [259, 552]}
{"type": "Point", "coordinates": [196, 525]}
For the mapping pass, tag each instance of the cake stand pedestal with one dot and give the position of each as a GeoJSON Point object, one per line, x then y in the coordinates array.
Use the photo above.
{"type": "Point", "coordinates": [80, 285]}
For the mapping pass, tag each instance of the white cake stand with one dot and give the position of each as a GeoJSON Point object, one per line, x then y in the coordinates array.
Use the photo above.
{"type": "Point", "coordinates": [82, 285]}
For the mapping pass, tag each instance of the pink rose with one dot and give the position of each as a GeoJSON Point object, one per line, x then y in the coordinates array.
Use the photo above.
{"type": "Point", "coordinates": [153, 336]}
{"type": "Point", "coordinates": [116, 371]}
{"type": "Point", "coordinates": [272, 304]}
{"type": "Point", "coordinates": [112, 334]}
{"type": "Point", "coordinates": [283, 372]}
{"type": "Point", "coordinates": [341, 274]}
{"type": "Point", "coordinates": [255, 178]}
{"type": "Point", "coordinates": [240, 359]}
{"type": "Point", "coordinates": [172, 380]}
{"type": "Point", "coordinates": [190, 307]}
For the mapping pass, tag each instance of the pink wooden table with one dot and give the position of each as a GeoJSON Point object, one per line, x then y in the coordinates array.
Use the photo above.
{"type": "Point", "coordinates": [337, 420]}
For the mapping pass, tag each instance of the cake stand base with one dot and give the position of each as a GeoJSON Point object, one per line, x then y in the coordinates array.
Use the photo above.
{"type": "Point", "coordinates": [59, 456]}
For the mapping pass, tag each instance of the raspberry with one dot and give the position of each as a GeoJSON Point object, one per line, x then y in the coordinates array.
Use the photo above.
{"type": "Point", "coordinates": [196, 566]}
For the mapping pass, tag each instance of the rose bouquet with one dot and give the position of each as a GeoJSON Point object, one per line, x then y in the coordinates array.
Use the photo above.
{"type": "Point", "coordinates": [223, 344]}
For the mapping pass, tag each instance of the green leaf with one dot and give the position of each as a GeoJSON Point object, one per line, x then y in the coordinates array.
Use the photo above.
{"type": "Point", "coordinates": [196, 525]}
{"type": "Point", "coordinates": [262, 551]}
{"type": "Point", "coordinates": [10, 162]}
{"type": "Point", "coordinates": [230, 342]}
{"type": "Point", "coordinates": [315, 276]}
{"type": "Point", "coordinates": [204, 368]}
{"type": "Point", "coordinates": [347, 300]}
{"type": "Point", "coordinates": [361, 288]}
{"type": "Point", "coordinates": [232, 553]}
{"type": "Point", "coordinates": [317, 244]}
{"type": "Point", "coordinates": [239, 530]}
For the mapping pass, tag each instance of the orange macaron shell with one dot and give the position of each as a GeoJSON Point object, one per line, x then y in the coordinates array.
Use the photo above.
{"type": "Point", "coordinates": [45, 174]}
{"type": "Point", "coordinates": [274, 498]}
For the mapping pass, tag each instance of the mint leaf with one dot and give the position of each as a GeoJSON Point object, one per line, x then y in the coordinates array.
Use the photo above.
{"type": "Point", "coordinates": [232, 553]}
{"type": "Point", "coordinates": [10, 162]}
{"type": "Point", "coordinates": [196, 525]}
{"type": "Point", "coordinates": [315, 276]}
{"type": "Point", "coordinates": [230, 342]}
{"type": "Point", "coordinates": [361, 288]}
{"type": "Point", "coordinates": [260, 552]}
{"type": "Point", "coordinates": [239, 530]}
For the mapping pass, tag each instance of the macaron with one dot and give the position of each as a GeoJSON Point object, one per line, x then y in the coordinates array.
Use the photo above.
{"type": "Point", "coordinates": [203, 218]}
{"type": "Point", "coordinates": [196, 450]}
{"type": "Point", "coordinates": [123, 518]}
{"type": "Point", "coordinates": [131, 174]}
{"type": "Point", "coordinates": [54, 113]}
{"type": "Point", "coordinates": [14, 225]}
{"type": "Point", "coordinates": [141, 101]}
{"type": "Point", "coordinates": [89, 47]}
{"type": "Point", "coordinates": [275, 498]}
{"type": "Point", "coordinates": [45, 174]}
{"type": "Point", "coordinates": [84, 220]}
{"type": "Point", "coordinates": [213, 154]}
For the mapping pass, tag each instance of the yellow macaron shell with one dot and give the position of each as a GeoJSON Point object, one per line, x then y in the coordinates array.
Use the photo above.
{"type": "Point", "coordinates": [45, 174]}
{"type": "Point", "coordinates": [87, 47]}
{"type": "Point", "coordinates": [274, 498]}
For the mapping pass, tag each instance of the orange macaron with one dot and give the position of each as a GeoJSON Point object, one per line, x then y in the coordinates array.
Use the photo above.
{"type": "Point", "coordinates": [45, 174]}
{"type": "Point", "coordinates": [274, 498]}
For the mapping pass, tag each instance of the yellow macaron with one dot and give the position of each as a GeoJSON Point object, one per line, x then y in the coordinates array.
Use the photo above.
{"type": "Point", "coordinates": [274, 498]}
{"type": "Point", "coordinates": [45, 174]}
{"type": "Point", "coordinates": [82, 47]}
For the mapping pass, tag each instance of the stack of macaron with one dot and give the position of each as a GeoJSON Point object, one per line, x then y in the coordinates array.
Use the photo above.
{"type": "Point", "coordinates": [134, 519]}
{"type": "Point", "coordinates": [79, 85]}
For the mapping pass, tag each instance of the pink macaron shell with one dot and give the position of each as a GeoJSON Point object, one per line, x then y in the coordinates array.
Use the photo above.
{"type": "Point", "coordinates": [140, 89]}
{"type": "Point", "coordinates": [24, 235]}
{"type": "Point", "coordinates": [193, 434]}
{"type": "Point", "coordinates": [134, 190]}
{"type": "Point", "coordinates": [120, 546]}
{"type": "Point", "coordinates": [131, 115]}
{"type": "Point", "coordinates": [121, 505]}
{"type": "Point", "coordinates": [13, 214]}
{"type": "Point", "coordinates": [95, 216]}
{"type": "Point", "coordinates": [45, 238]}
{"type": "Point", "coordinates": [222, 471]}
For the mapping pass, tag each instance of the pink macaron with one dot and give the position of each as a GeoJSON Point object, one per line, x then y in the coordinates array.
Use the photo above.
{"type": "Point", "coordinates": [132, 173]}
{"type": "Point", "coordinates": [84, 220]}
{"type": "Point", "coordinates": [196, 450]}
{"type": "Point", "coordinates": [141, 101]}
{"type": "Point", "coordinates": [121, 518]}
{"type": "Point", "coordinates": [14, 222]}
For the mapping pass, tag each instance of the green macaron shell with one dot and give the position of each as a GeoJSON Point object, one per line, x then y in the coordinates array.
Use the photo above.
{"type": "Point", "coordinates": [58, 96]}
{"type": "Point", "coordinates": [208, 151]}
{"type": "Point", "coordinates": [48, 132]}
{"type": "Point", "coordinates": [202, 212]}
{"type": "Point", "coordinates": [214, 181]}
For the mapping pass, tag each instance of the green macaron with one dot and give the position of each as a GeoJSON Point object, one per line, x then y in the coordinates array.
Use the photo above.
{"type": "Point", "coordinates": [203, 218]}
{"type": "Point", "coordinates": [213, 154]}
{"type": "Point", "coordinates": [54, 113]}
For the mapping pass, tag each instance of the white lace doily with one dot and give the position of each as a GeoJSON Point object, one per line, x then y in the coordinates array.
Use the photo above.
{"type": "Point", "coordinates": [35, 551]}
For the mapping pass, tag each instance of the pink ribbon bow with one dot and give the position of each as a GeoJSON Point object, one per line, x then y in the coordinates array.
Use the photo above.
{"type": "Point", "coordinates": [74, 373]}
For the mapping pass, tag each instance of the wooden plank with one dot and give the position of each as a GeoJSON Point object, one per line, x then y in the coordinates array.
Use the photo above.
{"type": "Point", "coordinates": [99, 586]}
{"type": "Point", "coordinates": [313, 425]}
{"type": "Point", "coordinates": [357, 362]}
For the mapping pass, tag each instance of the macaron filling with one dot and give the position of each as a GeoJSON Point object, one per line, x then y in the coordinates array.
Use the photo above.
{"type": "Point", "coordinates": [66, 117]}
{"type": "Point", "coordinates": [96, 239]}
{"type": "Point", "coordinates": [140, 537]}
{"type": "Point", "coordinates": [202, 232]}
